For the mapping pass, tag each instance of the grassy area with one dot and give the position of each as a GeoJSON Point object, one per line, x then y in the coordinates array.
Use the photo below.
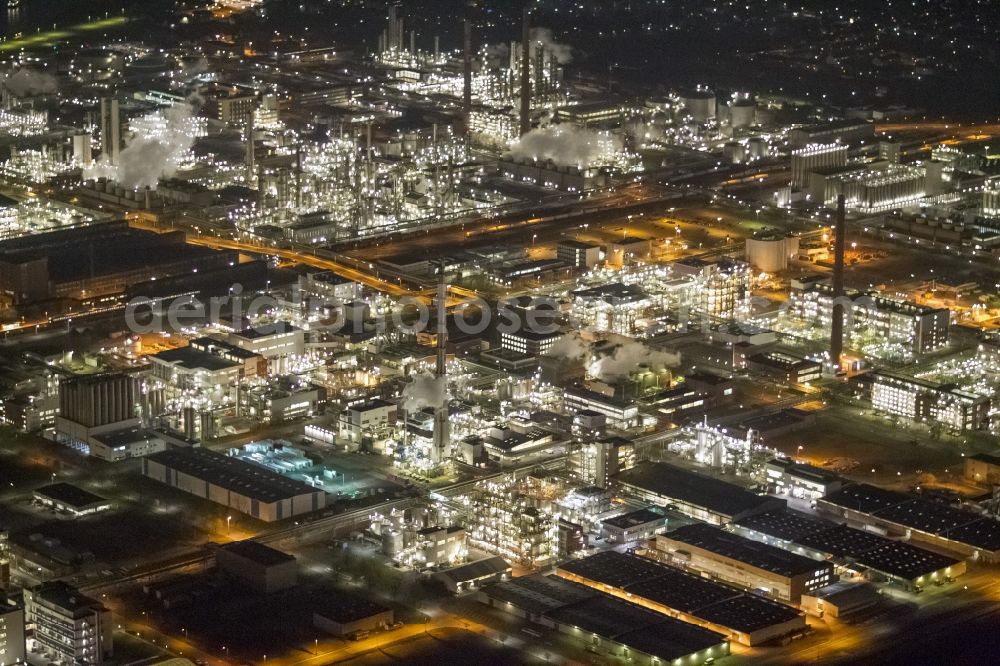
{"type": "Point", "coordinates": [50, 37]}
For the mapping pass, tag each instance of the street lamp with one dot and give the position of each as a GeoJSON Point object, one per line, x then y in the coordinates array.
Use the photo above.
{"type": "Point", "coordinates": [229, 520]}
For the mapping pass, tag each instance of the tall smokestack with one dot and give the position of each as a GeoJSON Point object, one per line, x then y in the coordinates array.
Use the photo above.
{"type": "Point", "coordinates": [837, 323]}
{"type": "Point", "coordinates": [467, 65]}
{"type": "Point", "coordinates": [442, 431]}
{"type": "Point", "coordinates": [250, 157]}
{"type": "Point", "coordinates": [526, 72]}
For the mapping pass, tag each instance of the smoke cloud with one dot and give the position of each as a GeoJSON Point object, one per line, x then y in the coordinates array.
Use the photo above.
{"type": "Point", "coordinates": [496, 55]}
{"type": "Point", "coordinates": [425, 390]}
{"type": "Point", "coordinates": [542, 37]}
{"type": "Point", "coordinates": [627, 357]}
{"type": "Point", "coordinates": [568, 145]}
{"type": "Point", "coordinates": [571, 347]}
{"type": "Point", "coordinates": [151, 155]}
{"type": "Point", "coordinates": [27, 81]}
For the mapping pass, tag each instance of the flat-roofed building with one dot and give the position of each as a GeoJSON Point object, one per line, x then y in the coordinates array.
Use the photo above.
{"type": "Point", "coordinates": [70, 499]}
{"type": "Point", "coordinates": [749, 619]}
{"type": "Point", "coordinates": [983, 468]}
{"type": "Point", "coordinates": [749, 564]}
{"type": "Point", "coordinates": [261, 567]}
{"type": "Point", "coordinates": [12, 644]}
{"type": "Point", "coordinates": [787, 477]}
{"type": "Point", "coordinates": [250, 489]}
{"type": "Point", "coordinates": [960, 531]}
{"type": "Point", "coordinates": [69, 628]}
{"type": "Point", "coordinates": [343, 614]}
{"type": "Point", "coordinates": [577, 254]}
{"type": "Point", "coordinates": [620, 413]}
{"type": "Point", "coordinates": [634, 526]}
{"type": "Point", "coordinates": [696, 495]}
{"type": "Point", "coordinates": [784, 367]}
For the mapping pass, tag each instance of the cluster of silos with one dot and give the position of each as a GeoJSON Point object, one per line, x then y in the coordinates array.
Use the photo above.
{"type": "Point", "coordinates": [398, 530]}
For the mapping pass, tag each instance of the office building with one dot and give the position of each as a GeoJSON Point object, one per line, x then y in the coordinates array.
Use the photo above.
{"type": "Point", "coordinates": [578, 254]}
{"type": "Point", "coordinates": [868, 316]}
{"type": "Point", "coordinates": [68, 627]}
{"type": "Point", "coordinates": [595, 462]}
{"type": "Point", "coordinates": [787, 477]}
{"type": "Point", "coordinates": [634, 527]}
{"type": "Point", "coordinates": [12, 643]}
{"type": "Point", "coordinates": [620, 413]}
{"type": "Point", "coordinates": [921, 400]}
{"type": "Point", "coordinates": [784, 368]}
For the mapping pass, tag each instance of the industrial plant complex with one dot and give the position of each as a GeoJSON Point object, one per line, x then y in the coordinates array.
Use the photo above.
{"type": "Point", "coordinates": [450, 331]}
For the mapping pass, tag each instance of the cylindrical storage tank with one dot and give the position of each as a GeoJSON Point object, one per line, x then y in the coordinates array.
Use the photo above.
{"type": "Point", "coordinates": [700, 104]}
{"type": "Point", "coordinates": [770, 254]}
{"type": "Point", "coordinates": [392, 542]}
{"type": "Point", "coordinates": [733, 152]}
{"type": "Point", "coordinates": [742, 113]}
{"type": "Point", "coordinates": [757, 148]}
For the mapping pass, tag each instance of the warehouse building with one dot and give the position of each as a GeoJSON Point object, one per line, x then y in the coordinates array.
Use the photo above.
{"type": "Point", "coordinates": [260, 567]}
{"type": "Point", "coordinates": [778, 573]}
{"type": "Point", "coordinates": [343, 615]}
{"type": "Point", "coordinates": [898, 514]}
{"type": "Point", "coordinates": [983, 468]}
{"type": "Point", "coordinates": [239, 485]}
{"type": "Point", "coordinates": [70, 499]}
{"type": "Point", "coordinates": [605, 623]}
{"type": "Point", "coordinates": [746, 618]}
{"type": "Point", "coordinates": [695, 495]}
{"type": "Point", "coordinates": [860, 552]}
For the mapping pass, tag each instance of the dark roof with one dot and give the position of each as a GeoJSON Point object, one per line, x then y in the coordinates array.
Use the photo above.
{"type": "Point", "coordinates": [344, 608]}
{"type": "Point", "coordinates": [681, 590]}
{"type": "Point", "coordinates": [539, 593]}
{"type": "Point", "coordinates": [983, 533]}
{"type": "Point", "coordinates": [232, 474]}
{"type": "Point", "coordinates": [865, 498]}
{"type": "Point", "coordinates": [753, 553]}
{"type": "Point", "coordinates": [70, 495]}
{"type": "Point", "coordinates": [614, 568]}
{"type": "Point", "coordinates": [692, 488]}
{"type": "Point", "coordinates": [785, 524]}
{"type": "Point", "coordinates": [66, 596]}
{"type": "Point", "coordinates": [987, 458]}
{"type": "Point", "coordinates": [670, 639]}
{"type": "Point", "coordinates": [905, 561]}
{"type": "Point", "coordinates": [257, 552]}
{"type": "Point", "coordinates": [633, 518]}
{"type": "Point", "coordinates": [746, 613]}
{"type": "Point", "coordinates": [277, 328]}
{"type": "Point", "coordinates": [927, 516]}
{"type": "Point", "coordinates": [605, 615]}
{"type": "Point", "coordinates": [671, 587]}
{"type": "Point", "coordinates": [190, 357]}
{"type": "Point", "coordinates": [842, 541]}
{"type": "Point", "coordinates": [476, 570]}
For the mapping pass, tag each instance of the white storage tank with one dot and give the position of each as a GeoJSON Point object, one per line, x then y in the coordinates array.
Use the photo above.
{"type": "Point", "coordinates": [742, 113]}
{"type": "Point", "coordinates": [770, 254]}
{"type": "Point", "coordinates": [700, 104]}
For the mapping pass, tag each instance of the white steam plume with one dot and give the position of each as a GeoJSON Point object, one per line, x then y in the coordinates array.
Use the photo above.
{"type": "Point", "coordinates": [571, 347]}
{"type": "Point", "coordinates": [496, 55]}
{"type": "Point", "coordinates": [27, 81]}
{"type": "Point", "coordinates": [155, 151]}
{"type": "Point", "coordinates": [562, 53]}
{"type": "Point", "coordinates": [627, 357]}
{"type": "Point", "coordinates": [425, 390]}
{"type": "Point", "coordinates": [568, 145]}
